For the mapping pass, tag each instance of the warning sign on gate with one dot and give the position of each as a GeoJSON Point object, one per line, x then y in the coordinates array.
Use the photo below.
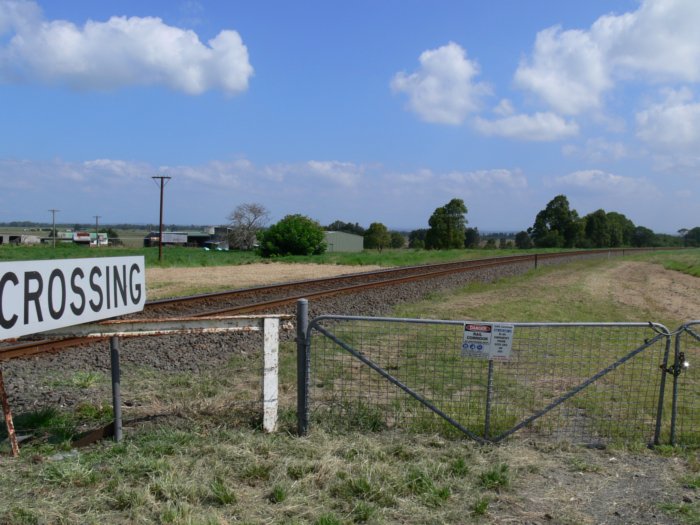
{"type": "Point", "coordinates": [487, 340]}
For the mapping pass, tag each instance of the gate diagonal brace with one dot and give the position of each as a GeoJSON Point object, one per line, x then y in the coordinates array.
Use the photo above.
{"type": "Point", "coordinates": [677, 367]}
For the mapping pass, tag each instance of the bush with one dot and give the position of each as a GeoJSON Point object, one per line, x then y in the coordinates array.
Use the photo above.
{"type": "Point", "coordinates": [294, 235]}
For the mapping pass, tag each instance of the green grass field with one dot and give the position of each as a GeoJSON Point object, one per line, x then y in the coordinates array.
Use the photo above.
{"type": "Point", "coordinates": [175, 256]}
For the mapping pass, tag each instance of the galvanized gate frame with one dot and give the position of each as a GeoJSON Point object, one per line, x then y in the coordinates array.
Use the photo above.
{"type": "Point", "coordinates": [305, 328]}
{"type": "Point", "coordinates": [676, 369]}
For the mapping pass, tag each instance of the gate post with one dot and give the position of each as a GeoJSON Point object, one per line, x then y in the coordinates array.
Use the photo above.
{"type": "Point", "coordinates": [270, 372]}
{"type": "Point", "coordinates": [302, 367]}
{"type": "Point", "coordinates": [116, 387]}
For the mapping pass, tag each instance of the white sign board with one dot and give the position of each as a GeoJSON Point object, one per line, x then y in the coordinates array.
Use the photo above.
{"type": "Point", "coordinates": [487, 340]}
{"type": "Point", "coordinates": [36, 296]}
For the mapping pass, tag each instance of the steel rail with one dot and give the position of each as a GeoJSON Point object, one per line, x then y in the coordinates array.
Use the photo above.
{"type": "Point", "coordinates": [422, 272]}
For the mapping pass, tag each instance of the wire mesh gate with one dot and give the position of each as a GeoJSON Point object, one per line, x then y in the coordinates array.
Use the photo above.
{"type": "Point", "coordinates": [685, 427]}
{"type": "Point", "coordinates": [592, 383]}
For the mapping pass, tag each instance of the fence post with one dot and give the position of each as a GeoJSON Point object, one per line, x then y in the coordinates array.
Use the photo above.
{"type": "Point", "coordinates": [271, 328]}
{"type": "Point", "coordinates": [662, 389]}
{"type": "Point", "coordinates": [535, 261]}
{"type": "Point", "coordinates": [302, 367]}
{"type": "Point", "coordinates": [116, 387]}
{"type": "Point", "coordinates": [489, 395]}
{"type": "Point", "coordinates": [674, 401]}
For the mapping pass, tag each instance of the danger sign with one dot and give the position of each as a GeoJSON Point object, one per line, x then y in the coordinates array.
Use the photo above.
{"type": "Point", "coordinates": [487, 340]}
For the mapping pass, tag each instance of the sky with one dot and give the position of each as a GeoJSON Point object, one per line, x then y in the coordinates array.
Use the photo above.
{"type": "Point", "coordinates": [363, 111]}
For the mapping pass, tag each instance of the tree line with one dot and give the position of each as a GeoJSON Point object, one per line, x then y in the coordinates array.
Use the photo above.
{"type": "Point", "coordinates": [556, 226]}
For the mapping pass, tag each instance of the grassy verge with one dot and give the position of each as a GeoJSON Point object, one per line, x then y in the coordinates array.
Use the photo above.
{"type": "Point", "coordinates": [205, 460]}
{"type": "Point", "coordinates": [685, 261]}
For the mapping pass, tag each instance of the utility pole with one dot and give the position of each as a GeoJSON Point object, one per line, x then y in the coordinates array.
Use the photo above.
{"type": "Point", "coordinates": [97, 231]}
{"type": "Point", "coordinates": [162, 179]}
{"type": "Point", "coordinates": [53, 222]}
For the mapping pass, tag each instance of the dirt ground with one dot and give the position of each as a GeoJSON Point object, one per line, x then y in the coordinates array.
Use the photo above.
{"type": "Point", "coordinates": [672, 294]}
{"type": "Point", "coordinates": [173, 282]}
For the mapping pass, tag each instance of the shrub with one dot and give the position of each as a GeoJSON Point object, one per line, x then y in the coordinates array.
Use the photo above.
{"type": "Point", "coordinates": [293, 235]}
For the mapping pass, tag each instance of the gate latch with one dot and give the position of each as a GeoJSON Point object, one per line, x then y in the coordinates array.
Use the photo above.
{"type": "Point", "coordinates": [676, 368]}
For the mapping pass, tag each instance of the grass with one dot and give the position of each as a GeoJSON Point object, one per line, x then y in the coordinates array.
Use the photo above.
{"type": "Point", "coordinates": [176, 256]}
{"type": "Point", "coordinates": [685, 261]}
{"type": "Point", "coordinates": [205, 461]}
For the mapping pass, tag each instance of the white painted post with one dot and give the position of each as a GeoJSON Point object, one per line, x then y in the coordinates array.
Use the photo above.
{"type": "Point", "coordinates": [270, 370]}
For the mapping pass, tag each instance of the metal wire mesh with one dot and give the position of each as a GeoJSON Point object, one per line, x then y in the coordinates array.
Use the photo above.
{"type": "Point", "coordinates": [687, 427]}
{"type": "Point", "coordinates": [419, 369]}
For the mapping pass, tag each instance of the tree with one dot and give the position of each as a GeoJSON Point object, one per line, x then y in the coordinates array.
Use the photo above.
{"type": "Point", "coordinates": [246, 222]}
{"type": "Point", "coordinates": [377, 237]}
{"type": "Point", "coordinates": [397, 240]}
{"type": "Point", "coordinates": [293, 235]}
{"type": "Point", "coordinates": [597, 229]}
{"type": "Point", "coordinates": [347, 227]}
{"type": "Point", "coordinates": [523, 240]}
{"type": "Point", "coordinates": [643, 237]}
{"type": "Point", "coordinates": [692, 237]}
{"type": "Point", "coordinates": [557, 225]}
{"type": "Point", "coordinates": [416, 238]}
{"type": "Point", "coordinates": [447, 226]}
{"type": "Point", "coordinates": [621, 229]}
{"type": "Point", "coordinates": [471, 238]}
{"type": "Point", "coordinates": [683, 232]}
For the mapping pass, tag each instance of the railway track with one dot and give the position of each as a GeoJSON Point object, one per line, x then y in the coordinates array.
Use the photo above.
{"type": "Point", "coordinates": [265, 298]}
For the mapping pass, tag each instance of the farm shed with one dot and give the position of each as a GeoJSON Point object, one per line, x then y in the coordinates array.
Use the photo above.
{"type": "Point", "coordinates": [343, 242]}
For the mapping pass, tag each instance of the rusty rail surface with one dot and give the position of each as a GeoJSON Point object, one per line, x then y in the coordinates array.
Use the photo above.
{"type": "Point", "coordinates": [290, 292]}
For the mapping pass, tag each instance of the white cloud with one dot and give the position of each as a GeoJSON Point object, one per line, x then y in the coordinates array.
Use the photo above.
{"type": "Point", "coordinates": [488, 180]}
{"type": "Point", "coordinates": [597, 150]}
{"type": "Point", "coordinates": [343, 173]}
{"type": "Point", "coordinates": [673, 124]}
{"type": "Point", "coordinates": [504, 109]}
{"type": "Point", "coordinates": [606, 183]}
{"type": "Point", "coordinates": [443, 90]}
{"type": "Point", "coordinates": [120, 52]}
{"type": "Point", "coordinates": [571, 70]}
{"type": "Point", "coordinates": [568, 70]}
{"type": "Point", "coordinates": [537, 127]}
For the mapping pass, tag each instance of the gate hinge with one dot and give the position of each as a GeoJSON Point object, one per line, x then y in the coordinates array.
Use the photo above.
{"type": "Point", "coordinates": [676, 368]}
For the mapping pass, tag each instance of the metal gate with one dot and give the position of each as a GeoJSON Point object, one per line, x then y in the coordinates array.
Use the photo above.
{"type": "Point", "coordinates": [685, 427]}
{"type": "Point", "coordinates": [592, 383]}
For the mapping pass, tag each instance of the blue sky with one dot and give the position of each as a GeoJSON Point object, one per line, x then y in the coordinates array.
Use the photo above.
{"type": "Point", "coordinates": [361, 111]}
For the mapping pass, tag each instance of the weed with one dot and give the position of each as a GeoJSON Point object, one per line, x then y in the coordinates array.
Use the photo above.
{"type": "Point", "coordinates": [579, 465]}
{"type": "Point", "coordinates": [686, 512]}
{"type": "Point", "coordinates": [362, 488]}
{"type": "Point", "coordinates": [363, 512]}
{"type": "Point", "coordinates": [419, 483]}
{"type": "Point", "coordinates": [495, 478]}
{"type": "Point", "coordinates": [299, 471]}
{"type": "Point", "coordinates": [459, 468]}
{"type": "Point", "coordinates": [90, 412]}
{"type": "Point", "coordinates": [22, 516]}
{"type": "Point", "coordinates": [127, 499]}
{"type": "Point", "coordinates": [692, 482]}
{"type": "Point", "coordinates": [86, 379]}
{"type": "Point", "coordinates": [480, 506]}
{"type": "Point", "coordinates": [256, 472]}
{"type": "Point", "coordinates": [221, 493]}
{"type": "Point", "coordinates": [278, 494]}
{"type": "Point", "coordinates": [328, 519]}
{"type": "Point", "coordinates": [69, 472]}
